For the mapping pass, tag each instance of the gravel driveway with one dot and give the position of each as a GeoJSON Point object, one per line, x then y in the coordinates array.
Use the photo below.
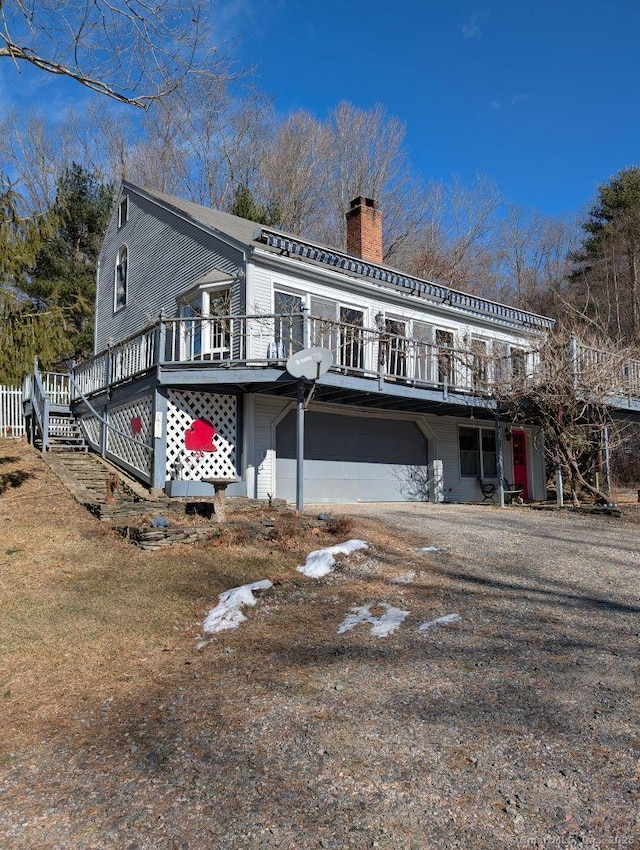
{"type": "Point", "coordinates": [515, 725]}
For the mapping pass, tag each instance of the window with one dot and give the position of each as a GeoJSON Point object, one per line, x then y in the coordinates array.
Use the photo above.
{"type": "Point", "coordinates": [123, 211]}
{"type": "Point", "coordinates": [339, 329]}
{"type": "Point", "coordinates": [206, 331]}
{"type": "Point", "coordinates": [477, 452]}
{"type": "Point", "coordinates": [192, 328]}
{"type": "Point", "coordinates": [120, 297]}
{"type": "Point", "coordinates": [423, 335]}
{"type": "Point", "coordinates": [444, 346]}
{"type": "Point", "coordinates": [479, 364]}
{"type": "Point", "coordinates": [351, 341]}
{"type": "Point", "coordinates": [518, 363]}
{"type": "Point", "coordinates": [289, 325]}
{"type": "Point", "coordinates": [396, 347]}
{"type": "Point", "coordinates": [324, 324]}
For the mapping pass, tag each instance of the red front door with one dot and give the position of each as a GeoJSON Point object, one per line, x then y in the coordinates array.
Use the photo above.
{"type": "Point", "coordinates": [519, 448]}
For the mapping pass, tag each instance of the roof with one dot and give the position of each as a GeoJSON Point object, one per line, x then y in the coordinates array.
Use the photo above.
{"type": "Point", "coordinates": [239, 229]}
{"type": "Point", "coordinates": [253, 235]}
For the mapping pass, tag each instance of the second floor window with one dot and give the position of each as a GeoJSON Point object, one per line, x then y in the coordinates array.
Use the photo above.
{"type": "Point", "coordinates": [122, 272]}
{"type": "Point", "coordinates": [518, 363]}
{"type": "Point", "coordinates": [444, 347]}
{"type": "Point", "coordinates": [479, 364]}
{"type": "Point", "coordinates": [289, 326]}
{"type": "Point", "coordinates": [123, 211]}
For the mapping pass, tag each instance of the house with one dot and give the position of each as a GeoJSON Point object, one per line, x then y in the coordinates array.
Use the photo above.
{"type": "Point", "coordinates": [197, 312]}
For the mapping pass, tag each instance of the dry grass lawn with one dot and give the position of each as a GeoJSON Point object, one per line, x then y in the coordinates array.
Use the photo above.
{"type": "Point", "coordinates": [515, 727]}
{"type": "Point", "coordinates": [86, 616]}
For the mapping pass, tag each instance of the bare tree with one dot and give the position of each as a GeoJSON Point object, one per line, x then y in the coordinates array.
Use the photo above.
{"type": "Point", "coordinates": [533, 260]}
{"type": "Point", "coordinates": [291, 172]}
{"type": "Point", "coordinates": [34, 156]}
{"type": "Point", "coordinates": [366, 157]}
{"type": "Point", "coordinates": [457, 245]}
{"type": "Point", "coordinates": [570, 391]}
{"type": "Point", "coordinates": [129, 50]}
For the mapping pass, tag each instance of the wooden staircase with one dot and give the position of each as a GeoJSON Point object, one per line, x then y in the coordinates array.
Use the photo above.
{"type": "Point", "coordinates": [50, 424]}
{"type": "Point", "coordinates": [91, 480]}
{"type": "Point", "coordinates": [104, 489]}
{"type": "Point", "coordinates": [64, 433]}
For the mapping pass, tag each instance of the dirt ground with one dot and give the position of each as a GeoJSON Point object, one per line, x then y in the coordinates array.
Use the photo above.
{"type": "Point", "coordinates": [512, 724]}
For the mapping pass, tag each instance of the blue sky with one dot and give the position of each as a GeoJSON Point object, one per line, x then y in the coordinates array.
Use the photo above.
{"type": "Point", "coordinates": [540, 96]}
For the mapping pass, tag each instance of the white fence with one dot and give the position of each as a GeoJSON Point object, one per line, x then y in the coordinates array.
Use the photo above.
{"type": "Point", "coordinates": [11, 416]}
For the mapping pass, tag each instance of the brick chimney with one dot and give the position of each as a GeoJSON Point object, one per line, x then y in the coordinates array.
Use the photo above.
{"type": "Point", "coordinates": [364, 230]}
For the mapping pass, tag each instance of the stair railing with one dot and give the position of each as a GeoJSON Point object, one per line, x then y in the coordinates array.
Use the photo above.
{"type": "Point", "coordinates": [106, 425]}
{"type": "Point", "coordinates": [40, 403]}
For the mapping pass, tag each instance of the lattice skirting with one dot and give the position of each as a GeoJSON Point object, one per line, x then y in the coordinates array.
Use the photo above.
{"type": "Point", "coordinates": [134, 418]}
{"type": "Point", "coordinates": [92, 428]}
{"type": "Point", "coordinates": [220, 411]}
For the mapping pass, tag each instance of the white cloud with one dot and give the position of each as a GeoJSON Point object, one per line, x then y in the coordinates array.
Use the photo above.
{"type": "Point", "coordinates": [234, 19]}
{"type": "Point", "coordinates": [471, 28]}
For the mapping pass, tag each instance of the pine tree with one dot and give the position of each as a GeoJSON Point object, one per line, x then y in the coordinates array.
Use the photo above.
{"type": "Point", "coordinates": [245, 206]}
{"type": "Point", "coordinates": [62, 278]}
{"type": "Point", "coordinates": [606, 282]}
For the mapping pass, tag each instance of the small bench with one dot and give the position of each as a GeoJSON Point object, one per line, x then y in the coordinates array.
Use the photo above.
{"type": "Point", "coordinates": [489, 488]}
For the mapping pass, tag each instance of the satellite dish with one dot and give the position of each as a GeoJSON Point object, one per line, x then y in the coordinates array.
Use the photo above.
{"type": "Point", "coordinates": [310, 363]}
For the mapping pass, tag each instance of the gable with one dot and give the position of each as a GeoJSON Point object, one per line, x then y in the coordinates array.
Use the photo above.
{"type": "Point", "coordinates": [166, 255]}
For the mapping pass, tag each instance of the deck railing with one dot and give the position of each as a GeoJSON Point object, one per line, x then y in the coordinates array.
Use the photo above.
{"type": "Point", "coordinates": [619, 375]}
{"type": "Point", "coordinates": [263, 340]}
{"type": "Point", "coordinates": [268, 340]}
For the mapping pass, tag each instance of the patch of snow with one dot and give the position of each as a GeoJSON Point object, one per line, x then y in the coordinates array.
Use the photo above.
{"type": "Point", "coordinates": [227, 613]}
{"type": "Point", "coordinates": [321, 562]}
{"type": "Point", "coordinates": [448, 618]}
{"type": "Point", "coordinates": [380, 626]}
{"type": "Point", "coordinates": [430, 549]}
{"type": "Point", "coordinates": [403, 578]}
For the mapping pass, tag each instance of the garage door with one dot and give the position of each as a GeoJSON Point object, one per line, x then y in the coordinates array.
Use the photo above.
{"type": "Point", "coordinates": [351, 458]}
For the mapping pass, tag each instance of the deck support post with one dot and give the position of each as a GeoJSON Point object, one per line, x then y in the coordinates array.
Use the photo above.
{"type": "Point", "coordinates": [606, 461]}
{"type": "Point", "coordinates": [159, 458]}
{"type": "Point", "coordinates": [300, 448]}
{"type": "Point", "coordinates": [499, 459]}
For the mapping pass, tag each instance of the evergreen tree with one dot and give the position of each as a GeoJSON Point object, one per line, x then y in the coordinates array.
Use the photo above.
{"type": "Point", "coordinates": [24, 330]}
{"type": "Point", "coordinates": [27, 333]}
{"type": "Point", "coordinates": [244, 205]}
{"type": "Point", "coordinates": [606, 281]}
{"type": "Point", "coordinates": [19, 238]}
{"type": "Point", "coordinates": [62, 279]}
